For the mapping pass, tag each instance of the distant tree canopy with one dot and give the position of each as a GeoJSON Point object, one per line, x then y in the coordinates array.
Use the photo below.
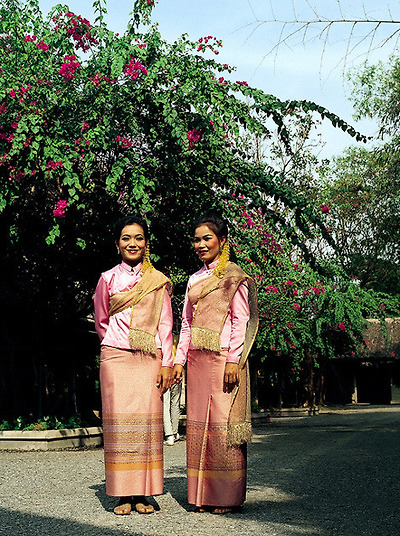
{"type": "Point", "coordinates": [363, 186]}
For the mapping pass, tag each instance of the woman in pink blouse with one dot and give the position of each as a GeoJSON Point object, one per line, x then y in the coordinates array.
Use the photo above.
{"type": "Point", "coordinates": [219, 323]}
{"type": "Point", "coordinates": [133, 317]}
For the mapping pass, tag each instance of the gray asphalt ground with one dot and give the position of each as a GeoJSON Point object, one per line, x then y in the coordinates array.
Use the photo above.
{"type": "Point", "coordinates": [337, 473]}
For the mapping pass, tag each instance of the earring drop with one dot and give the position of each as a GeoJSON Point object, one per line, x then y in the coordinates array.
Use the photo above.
{"type": "Point", "coordinates": [223, 260]}
{"type": "Point", "coordinates": [146, 260]}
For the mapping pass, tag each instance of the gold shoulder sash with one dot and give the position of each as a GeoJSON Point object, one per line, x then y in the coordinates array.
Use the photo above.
{"type": "Point", "coordinates": [145, 300]}
{"type": "Point", "coordinates": [211, 299]}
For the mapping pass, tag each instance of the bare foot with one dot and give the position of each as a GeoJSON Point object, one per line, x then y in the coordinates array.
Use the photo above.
{"type": "Point", "coordinates": [223, 510]}
{"type": "Point", "coordinates": [124, 506]}
{"type": "Point", "coordinates": [142, 506]}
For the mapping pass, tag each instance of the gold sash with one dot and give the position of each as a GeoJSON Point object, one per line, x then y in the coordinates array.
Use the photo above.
{"type": "Point", "coordinates": [145, 300]}
{"type": "Point", "coordinates": [211, 299]}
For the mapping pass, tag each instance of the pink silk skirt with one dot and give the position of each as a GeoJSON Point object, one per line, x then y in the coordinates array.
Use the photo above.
{"type": "Point", "coordinates": [216, 473]}
{"type": "Point", "coordinates": [132, 422]}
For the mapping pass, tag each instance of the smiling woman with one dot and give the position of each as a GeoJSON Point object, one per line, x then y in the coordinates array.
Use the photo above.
{"type": "Point", "coordinates": [134, 321]}
{"type": "Point", "coordinates": [207, 245]}
{"type": "Point", "coordinates": [132, 244]}
{"type": "Point", "coordinates": [219, 323]}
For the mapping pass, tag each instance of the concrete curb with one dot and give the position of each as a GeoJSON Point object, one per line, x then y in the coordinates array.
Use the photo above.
{"type": "Point", "coordinates": [51, 439]}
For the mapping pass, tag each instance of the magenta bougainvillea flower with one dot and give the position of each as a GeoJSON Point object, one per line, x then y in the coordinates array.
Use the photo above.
{"type": "Point", "coordinates": [134, 68]}
{"type": "Point", "coordinates": [68, 68]}
{"type": "Point", "coordinates": [42, 45]}
{"type": "Point", "coordinates": [124, 142]}
{"type": "Point", "coordinates": [59, 211]}
{"type": "Point", "coordinates": [54, 165]}
{"type": "Point", "coordinates": [194, 136]}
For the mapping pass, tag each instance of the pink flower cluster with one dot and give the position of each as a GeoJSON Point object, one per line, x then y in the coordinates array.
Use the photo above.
{"type": "Point", "coordinates": [243, 83]}
{"type": "Point", "coordinates": [54, 165]}
{"type": "Point", "coordinates": [193, 136]}
{"type": "Point", "coordinates": [324, 209]}
{"type": "Point", "coordinates": [68, 68]}
{"type": "Point", "coordinates": [134, 68]}
{"type": "Point", "coordinates": [97, 78]}
{"type": "Point", "coordinates": [265, 238]}
{"type": "Point", "coordinates": [15, 173]}
{"type": "Point", "coordinates": [8, 138]}
{"type": "Point", "coordinates": [78, 28]}
{"type": "Point", "coordinates": [296, 307]}
{"type": "Point", "coordinates": [42, 45]}
{"type": "Point", "coordinates": [125, 143]}
{"type": "Point", "coordinates": [271, 288]}
{"type": "Point", "coordinates": [341, 326]}
{"type": "Point", "coordinates": [59, 211]}
{"type": "Point", "coordinates": [30, 38]}
{"type": "Point", "coordinates": [203, 43]}
{"type": "Point", "coordinates": [318, 289]}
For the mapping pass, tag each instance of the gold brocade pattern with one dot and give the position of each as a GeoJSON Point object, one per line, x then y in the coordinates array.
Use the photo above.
{"type": "Point", "coordinates": [206, 338]}
{"type": "Point", "coordinates": [132, 442]}
{"type": "Point", "coordinates": [208, 451]}
{"type": "Point", "coordinates": [139, 339]}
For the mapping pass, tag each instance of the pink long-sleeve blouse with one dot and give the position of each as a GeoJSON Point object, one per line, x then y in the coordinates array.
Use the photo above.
{"type": "Point", "coordinates": [234, 329]}
{"type": "Point", "coordinates": [114, 331]}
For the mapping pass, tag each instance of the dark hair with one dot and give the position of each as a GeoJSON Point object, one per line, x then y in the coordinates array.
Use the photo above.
{"type": "Point", "coordinates": [214, 221]}
{"type": "Point", "coordinates": [130, 220]}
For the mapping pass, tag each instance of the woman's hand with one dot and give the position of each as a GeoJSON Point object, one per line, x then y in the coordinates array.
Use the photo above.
{"type": "Point", "coordinates": [231, 376]}
{"type": "Point", "coordinates": [177, 374]}
{"type": "Point", "coordinates": [164, 379]}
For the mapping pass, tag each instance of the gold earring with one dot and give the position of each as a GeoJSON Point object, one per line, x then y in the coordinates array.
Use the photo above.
{"type": "Point", "coordinates": [223, 259]}
{"type": "Point", "coordinates": [118, 250]}
{"type": "Point", "coordinates": [146, 263]}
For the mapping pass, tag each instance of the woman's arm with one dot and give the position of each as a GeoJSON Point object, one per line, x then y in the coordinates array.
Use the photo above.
{"type": "Point", "coordinates": [165, 331]}
{"type": "Point", "coordinates": [184, 336]}
{"type": "Point", "coordinates": [101, 307]}
{"type": "Point", "coordinates": [240, 315]}
{"type": "Point", "coordinates": [164, 377]}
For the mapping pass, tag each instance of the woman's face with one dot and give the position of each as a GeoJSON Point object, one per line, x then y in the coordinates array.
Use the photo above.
{"type": "Point", "coordinates": [207, 245]}
{"type": "Point", "coordinates": [132, 244]}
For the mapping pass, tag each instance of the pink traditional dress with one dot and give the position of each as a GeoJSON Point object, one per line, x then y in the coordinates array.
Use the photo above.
{"type": "Point", "coordinates": [133, 317]}
{"type": "Point", "coordinates": [219, 324]}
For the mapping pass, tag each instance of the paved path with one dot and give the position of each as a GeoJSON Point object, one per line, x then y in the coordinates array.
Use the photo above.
{"type": "Point", "coordinates": [332, 474]}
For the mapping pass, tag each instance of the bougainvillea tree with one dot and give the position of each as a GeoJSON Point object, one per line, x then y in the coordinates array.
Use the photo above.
{"type": "Point", "coordinates": [94, 125]}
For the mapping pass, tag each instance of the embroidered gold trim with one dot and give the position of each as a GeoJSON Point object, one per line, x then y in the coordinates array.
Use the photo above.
{"type": "Point", "coordinates": [141, 340]}
{"type": "Point", "coordinates": [206, 339]}
{"type": "Point", "coordinates": [239, 433]}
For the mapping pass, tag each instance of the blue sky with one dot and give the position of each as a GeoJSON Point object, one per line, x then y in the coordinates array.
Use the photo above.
{"type": "Point", "coordinates": [297, 70]}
